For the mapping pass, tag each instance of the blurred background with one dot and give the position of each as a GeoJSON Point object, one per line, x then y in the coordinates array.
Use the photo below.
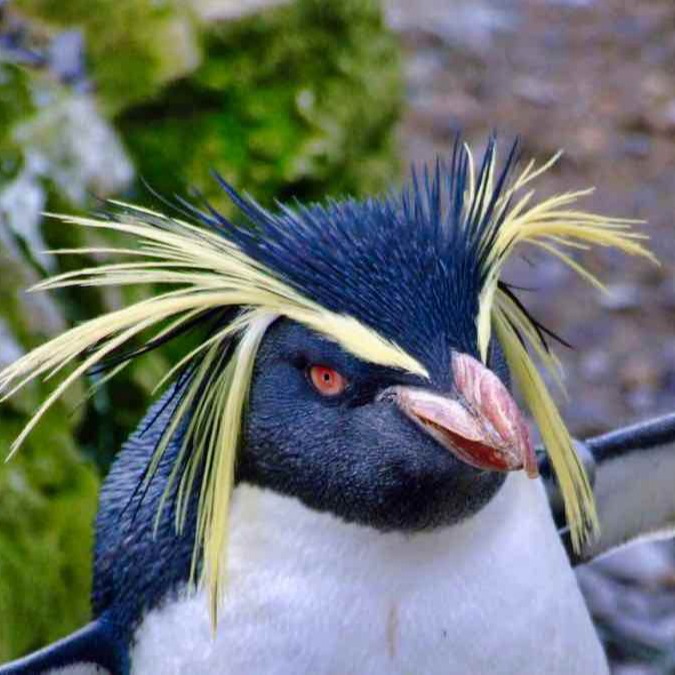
{"type": "Point", "coordinates": [308, 98]}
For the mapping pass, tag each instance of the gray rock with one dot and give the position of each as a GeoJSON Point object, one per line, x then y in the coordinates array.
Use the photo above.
{"type": "Point", "coordinates": [649, 564]}
{"type": "Point", "coordinates": [621, 297]}
{"type": "Point", "coordinates": [66, 56]}
{"type": "Point", "coordinates": [72, 145]}
{"type": "Point", "coordinates": [22, 201]}
{"type": "Point", "coordinates": [10, 349]}
{"type": "Point", "coordinates": [666, 293]}
{"type": "Point", "coordinates": [468, 25]}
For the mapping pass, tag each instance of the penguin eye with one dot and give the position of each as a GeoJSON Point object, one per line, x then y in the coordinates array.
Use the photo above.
{"type": "Point", "coordinates": [326, 381]}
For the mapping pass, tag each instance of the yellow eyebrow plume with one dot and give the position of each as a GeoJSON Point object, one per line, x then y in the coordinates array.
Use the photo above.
{"type": "Point", "coordinates": [556, 226]}
{"type": "Point", "coordinates": [200, 271]}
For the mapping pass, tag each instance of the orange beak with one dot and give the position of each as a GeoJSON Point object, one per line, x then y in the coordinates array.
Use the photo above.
{"type": "Point", "coordinates": [482, 426]}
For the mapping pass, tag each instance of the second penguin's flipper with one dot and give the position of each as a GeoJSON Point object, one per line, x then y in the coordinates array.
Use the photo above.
{"type": "Point", "coordinates": [633, 475]}
{"type": "Point", "coordinates": [92, 649]}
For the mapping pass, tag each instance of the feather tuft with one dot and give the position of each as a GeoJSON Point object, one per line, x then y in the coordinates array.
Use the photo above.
{"type": "Point", "coordinates": [552, 225]}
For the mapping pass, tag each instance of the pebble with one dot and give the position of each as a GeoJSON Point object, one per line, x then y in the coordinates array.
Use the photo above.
{"type": "Point", "coordinates": [636, 145]}
{"type": "Point", "coordinates": [66, 56]}
{"type": "Point", "coordinates": [666, 293]}
{"type": "Point", "coordinates": [621, 297]}
{"type": "Point", "coordinates": [596, 365]}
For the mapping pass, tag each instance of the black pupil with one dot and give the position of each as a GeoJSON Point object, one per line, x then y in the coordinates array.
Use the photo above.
{"type": "Point", "coordinates": [326, 377]}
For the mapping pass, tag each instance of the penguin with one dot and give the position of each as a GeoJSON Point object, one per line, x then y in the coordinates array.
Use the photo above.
{"type": "Point", "coordinates": [338, 478]}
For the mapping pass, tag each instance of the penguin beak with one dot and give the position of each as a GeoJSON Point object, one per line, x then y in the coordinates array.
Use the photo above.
{"type": "Point", "coordinates": [481, 425]}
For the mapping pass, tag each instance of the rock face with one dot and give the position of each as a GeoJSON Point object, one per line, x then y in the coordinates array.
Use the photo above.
{"type": "Point", "coordinates": [94, 93]}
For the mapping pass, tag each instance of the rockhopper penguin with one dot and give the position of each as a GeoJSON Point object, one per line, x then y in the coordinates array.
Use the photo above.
{"type": "Point", "coordinates": [383, 514]}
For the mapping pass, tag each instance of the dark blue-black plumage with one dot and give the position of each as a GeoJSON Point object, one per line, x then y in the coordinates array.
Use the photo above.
{"type": "Point", "coordinates": [410, 265]}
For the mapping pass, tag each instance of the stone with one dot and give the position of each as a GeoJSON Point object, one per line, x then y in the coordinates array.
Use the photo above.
{"type": "Point", "coordinates": [76, 149]}
{"type": "Point", "coordinates": [621, 297]}
{"type": "Point", "coordinates": [135, 48]}
{"type": "Point", "coordinates": [10, 349]}
{"type": "Point", "coordinates": [22, 201]}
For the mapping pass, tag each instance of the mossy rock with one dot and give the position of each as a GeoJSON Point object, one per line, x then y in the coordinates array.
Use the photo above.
{"type": "Point", "coordinates": [48, 492]}
{"type": "Point", "coordinates": [134, 47]}
{"type": "Point", "coordinates": [48, 497]}
{"type": "Point", "coordinates": [297, 101]}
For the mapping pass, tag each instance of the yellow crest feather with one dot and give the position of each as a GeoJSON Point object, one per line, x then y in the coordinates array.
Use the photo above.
{"type": "Point", "coordinates": [552, 225]}
{"type": "Point", "coordinates": [203, 271]}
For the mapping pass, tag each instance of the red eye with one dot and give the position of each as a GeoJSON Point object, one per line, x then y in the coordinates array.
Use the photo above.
{"type": "Point", "coordinates": [328, 382]}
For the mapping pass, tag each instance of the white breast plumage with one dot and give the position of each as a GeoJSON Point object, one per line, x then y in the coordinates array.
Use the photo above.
{"type": "Point", "coordinates": [309, 593]}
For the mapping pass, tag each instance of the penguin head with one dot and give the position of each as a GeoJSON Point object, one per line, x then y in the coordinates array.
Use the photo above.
{"type": "Point", "coordinates": [371, 444]}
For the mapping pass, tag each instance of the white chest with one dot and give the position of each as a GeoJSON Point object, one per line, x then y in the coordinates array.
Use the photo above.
{"type": "Point", "coordinates": [311, 594]}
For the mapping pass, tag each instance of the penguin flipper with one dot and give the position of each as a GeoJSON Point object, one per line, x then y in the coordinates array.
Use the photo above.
{"type": "Point", "coordinates": [633, 475]}
{"type": "Point", "coordinates": [92, 649]}
{"type": "Point", "coordinates": [635, 496]}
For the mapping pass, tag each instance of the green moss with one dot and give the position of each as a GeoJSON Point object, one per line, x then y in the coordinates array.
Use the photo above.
{"type": "Point", "coordinates": [16, 103]}
{"type": "Point", "coordinates": [47, 504]}
{"type": "Point", "coordinates": [313, 111]}
{"type": "Point", "coordinates": [134, 47]}
{"type": "Point", "coordinates": [15, 95]}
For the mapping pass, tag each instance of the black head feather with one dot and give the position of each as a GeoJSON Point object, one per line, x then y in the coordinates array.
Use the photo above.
{"type": "Point", "coordinates": [410, 265]}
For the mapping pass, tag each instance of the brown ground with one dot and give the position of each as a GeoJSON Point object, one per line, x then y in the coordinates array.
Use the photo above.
{"type": "Point", "coordinates": [597, 78]}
